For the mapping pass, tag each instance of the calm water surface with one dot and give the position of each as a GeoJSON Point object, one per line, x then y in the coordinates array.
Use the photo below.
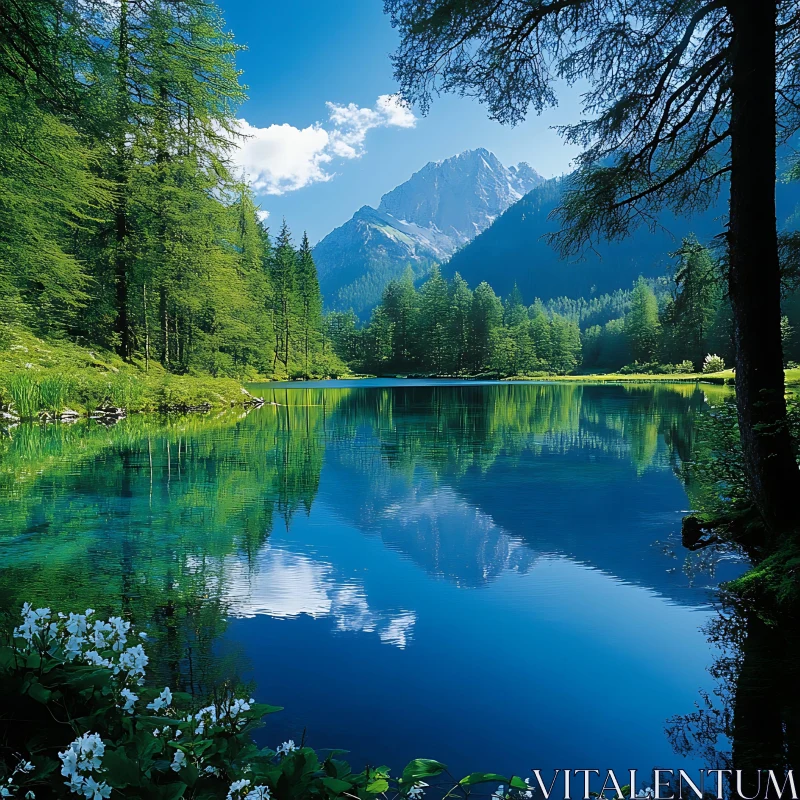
{"type": "Point", "coordinates": [486, 574]}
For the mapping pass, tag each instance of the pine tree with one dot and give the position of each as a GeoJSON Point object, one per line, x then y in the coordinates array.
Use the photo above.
{"type": "Point", "coordinates": [459, 324]}
{"type": "Point", "coordinates": [486, 316]}
{"type": "Point", "coordinates": [540, 336]}
{"type": "Point", "coordinates": [433, 323]}
{"type": "Point", "coordinates": [566, 345]}
{"type": "Point", "coordinates": [401, 307]}
{"type": "Point", "coordinates": [283, 277]}
{"type": "Point", "coordinates": [310, 302]}
{"type": "Point", "coordinates": [642, 326]}
{"type": "Point", "coordinates": [514, 310]}
{"type": "Point", "coordinates": [697, 299]}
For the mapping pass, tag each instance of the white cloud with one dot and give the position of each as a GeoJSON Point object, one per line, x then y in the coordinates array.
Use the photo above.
{"type": "Point", "coordinates": [352, 123]}
{"type": "Point", "coordinates": [286, 585]}
{"type": "Point", "coordinates": [282, 158]}
{"type": "Point", "coordinates": [262, 215]}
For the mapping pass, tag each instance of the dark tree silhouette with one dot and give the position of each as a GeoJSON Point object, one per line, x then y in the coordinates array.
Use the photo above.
{"type": "Point", "coordinates": [682, 96]}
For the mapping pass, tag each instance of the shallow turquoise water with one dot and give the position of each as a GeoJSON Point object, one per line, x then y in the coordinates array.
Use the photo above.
{"type": "Point", "coordinates": [486, 574]}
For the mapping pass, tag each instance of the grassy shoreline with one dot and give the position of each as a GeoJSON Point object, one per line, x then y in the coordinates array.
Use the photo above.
{"type": "Point", "coordinates": [725, 377]}
{"type": "Point", "coordinates": [41, 379]}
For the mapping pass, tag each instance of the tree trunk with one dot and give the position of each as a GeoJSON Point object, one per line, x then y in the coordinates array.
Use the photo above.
{"type": "Point", "coordinates": [754, 279]}
{"type": "Point", "coordinates": [164, 315]}
{"type": "Point", "coordinates": [121, 324]}
{"type": "Point", "coordinates": [146, 331]}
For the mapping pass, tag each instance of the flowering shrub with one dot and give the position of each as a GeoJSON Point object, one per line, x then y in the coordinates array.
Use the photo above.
{"type": "Point", "coordinates": [712, 363]}
{"type": "Point", "coordinates": [83, 723]}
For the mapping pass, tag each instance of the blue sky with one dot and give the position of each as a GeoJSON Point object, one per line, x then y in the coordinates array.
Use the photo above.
{"type": "Point", "coordinates": [317, 163]}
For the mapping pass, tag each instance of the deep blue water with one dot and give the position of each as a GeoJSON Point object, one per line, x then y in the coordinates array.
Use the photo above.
{"type": "Point", "coordinates": [489, 575]}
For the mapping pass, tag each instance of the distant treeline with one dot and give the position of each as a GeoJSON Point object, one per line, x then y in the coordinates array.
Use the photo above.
{"type": "Point", "coordinates": [122, 224]}
{"type": "Point", "coordinates": [445, 328]}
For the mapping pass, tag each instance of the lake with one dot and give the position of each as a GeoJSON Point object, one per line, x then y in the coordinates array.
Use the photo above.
{"type": "Point", "coordinates": [489, 574]}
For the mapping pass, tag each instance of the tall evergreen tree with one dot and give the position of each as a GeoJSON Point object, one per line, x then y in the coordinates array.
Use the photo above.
{"type": "Point", "coordinates": [401, 307]}
{"type": "Point", "coordinates": [486, 316]}
{"type": "Point", "coordinates": [284, 310]}
{"type": "Point", "coordinates": [433, 328]}
{"type": "Point", "coordinates": [696, 301]}
{"type": "Point", "coordinates": [642, 326]}
{"type": "Point", "coordinates": [310, 304]}
{"type": "Point", "coordinates": [514, 310]}
{"type": "Point", "coordinates": [459, 323]}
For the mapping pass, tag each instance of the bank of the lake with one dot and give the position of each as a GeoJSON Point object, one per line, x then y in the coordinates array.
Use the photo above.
{"type": "Point", "coordinates": [46, 378]}
{"type": "Point", "coordinates": [42, 379]}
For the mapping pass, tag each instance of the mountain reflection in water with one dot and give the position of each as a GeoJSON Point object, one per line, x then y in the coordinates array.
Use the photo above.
{"type": "Point", "coordinates": [488, 574]}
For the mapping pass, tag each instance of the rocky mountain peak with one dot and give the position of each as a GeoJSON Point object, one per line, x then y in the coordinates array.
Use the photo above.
{"type": "Point", "coordinates": [423, 221]}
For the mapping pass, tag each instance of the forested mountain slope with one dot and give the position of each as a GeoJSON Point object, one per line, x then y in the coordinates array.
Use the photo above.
{"type": "Point", "coordinates": [513, 249]}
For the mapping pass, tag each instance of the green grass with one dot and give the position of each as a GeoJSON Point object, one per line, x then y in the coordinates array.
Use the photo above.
{"type": "Point", "coordinates": [23, 391]}
{"type": "Point", "coordinates": [717, 377]}
{"type": "Point", "coordinates": [48, 376]}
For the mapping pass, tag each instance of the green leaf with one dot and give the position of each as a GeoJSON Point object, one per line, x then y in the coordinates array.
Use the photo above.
{"type": "Point", "coordinates": [378, 786]}
{"type": "Point", "coordinates": [172, 791]}
{"type": "Point", "coordinates": [261, 709]}
{"type": "Point", "coordinates": [86, 678]}
{"type": "Point", "coordinates": [190, 774]}
{"type": "Point", "coordinates": [517, 783]}
{"type": "Point", "coordinates": [38, 692]}
{"type": "Point", "coordinates": [421, 768]}
{"type": "Point", "coordinates": [336, 768]}
{"type": "Point", "coordinates": [34, 661]}
{"type": "Point", "coordinates": [7, 658]}
{"type": "Point", "coordinates": [147, 745]}
{"type": "Point", "coordinates": [482, 777]}
{"type": "Point", "coordinates": [336, 786]}
{"type": "Point", "coordinates": [121, 771]}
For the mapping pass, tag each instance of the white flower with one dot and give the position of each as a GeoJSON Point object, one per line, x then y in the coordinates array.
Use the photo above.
{"type": "Point", "coordinates": [237, 706]}
{"type": "Point", "coordinates": [417, 790]}
{"type": "Point", "coordinates": [211, 771]}
{"type": "Point", "coordinates": [93, 657]}
{"type": "Point", "coordinates": [83, 756]}
{"type": "Point", "coordinates": [24, 766]}
{"type": "Point", "coordinates": [96, 791]}
{"type": "Point", "coordinates": [205, 716]}
{"type": "Point", "coordinates": [99, 630]}
{"type": "Point", "coordinates": [157, 732]}
{"type": "Point", "coordinates": [133, 661]}
{"type": "Point", "coordinates": [76, 624]}
{"type": "Point", "coordinates": [34, 622]}
{"type": "Point", "coordinates": [74, 646]}
{"type": "Point", "coordinates": [162, 701]}
{"type": "Point", "coordinates": [258, 793]}
{"type": "Point", "coordinates": [286, 748]}
{"type": "Point", "coordinates": [130, 698]}
{"type": "Point", "coordinates": [30, 795]}
{"type": "Point", "coordinates": [178, 761]}
{"type": "Point", "coordinates": [69, 762]}
{"type": "Point", "coordinates": [238, 789]}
